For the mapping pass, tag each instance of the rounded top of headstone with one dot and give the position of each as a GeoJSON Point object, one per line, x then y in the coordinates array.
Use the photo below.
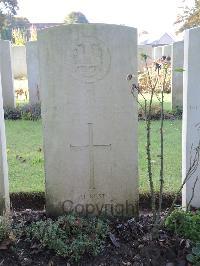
{"type": "Point", "coordinates": [85, 47]}
{"type": "Point", "coordinates": [85, 26]}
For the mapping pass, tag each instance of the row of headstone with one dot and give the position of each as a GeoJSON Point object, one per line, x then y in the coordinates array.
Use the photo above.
{"type": "Point", "coordinates": [33, 70]}
{"type": "Point", "coordinates": [7, 74]}
{"type": "Point", "coordinates": [85, 101]}
{"type": "Point", "coordinates": [6, 69]}
{"type": "Point", "coordinates": [175, 52]}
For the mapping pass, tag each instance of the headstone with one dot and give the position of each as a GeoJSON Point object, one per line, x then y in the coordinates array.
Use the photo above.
{"type": "Point", "coordinates": [4, 191]}
{"type": "Point", "coordinates": [6, 74]}
{"type": "Point", "coordinates": [147, 50]}
{"type": "Point", "coordinates": [33, 71]}
{"type": "Point", "coordinates": [167, 50]}
{"type": "Point", "coordinates": [191, 113]}
{"type": "Point", "coordinates": [177, 74]}
{"type": "Point", "coordinates": [157, 53]}
{"type": "Point", "coordinates": [89, 118]}
{"type": "Point", "coordinates": [19, 61]}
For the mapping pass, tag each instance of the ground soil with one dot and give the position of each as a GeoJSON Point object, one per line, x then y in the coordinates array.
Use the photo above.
{"type": "Point", "coordinates": [128, 243]}
{"type": "Point", "coordinates": [36, 201]}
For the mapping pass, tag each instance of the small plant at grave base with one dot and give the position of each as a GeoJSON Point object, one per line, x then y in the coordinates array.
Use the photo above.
{"type": "Point", "coordinates": [185, 224]}
{"type": "Point", "coordinates": [194, 257]}
{"type": "Point", "coordinates": [5, 228]}
{"type": "Point", "coordinates": [26, 112]}
{"type": "Point", "coordinates": [156, 85]}
{"type": "Point", "coordinates": [12, 113]}
{"type": "Point", "coordinates": [31, 111]}
{"type": "Point", "coordinates": [70, 236]}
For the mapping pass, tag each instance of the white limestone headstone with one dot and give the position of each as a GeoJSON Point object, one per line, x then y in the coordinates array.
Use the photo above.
{"type": "Point", "coordinates": [177, 75]}
{"type": "Point", "coordinates": [33, 71]}
{"type": "Point", "coordinates": [4, 191]}
{"type": "Point", "coordinates": [167, 50]}
{"type": "Point", "coordinates": [19, 61]}
{"type": "Point", "coordinates": [6, 74]}
{"type": "Point", "coordinates": [191, 112]}
{"type": "Point", "coordinates": [89, 118]}
{"type": "Point", "coordinates": [157, 53]}
{"type": "Point", "coordinates": [147, 50]}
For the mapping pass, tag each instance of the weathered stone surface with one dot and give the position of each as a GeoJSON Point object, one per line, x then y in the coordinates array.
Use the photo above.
{"type": "Point", "coordinates": [33, 71]}
{"type": "Point", "coordinates": [157, 53]}
{"type": "Point", "coordinates": [6, 74]}
{"type": "Point", "coordinates": [19, 61]}
{"type": "Point", "coordinates": [191, 112]}
{"type": "Point", "coordinates": [177, 76]}
{"type": "Point", "coordinates": [4, 191]}
{"type": "Point", "coordinates": [167, 50]}
{"type": "Point", "coordinates": [147, 50]}
{"type": "Point", "coordinates": [89, 118]}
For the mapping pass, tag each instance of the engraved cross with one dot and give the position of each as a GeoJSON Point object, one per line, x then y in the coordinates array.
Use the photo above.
{"type": "Point", "coordinates": [90, 147]}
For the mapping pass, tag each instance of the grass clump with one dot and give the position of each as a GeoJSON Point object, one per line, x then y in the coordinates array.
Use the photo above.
{"type": "Point", "coordinates": [27, 112]}
{"type": "Point", "coordinates": [4, 228]}
{"type": "Point", "coordinates": [70, 236]}
{"type": "Point", "coordinates": [185, 224]}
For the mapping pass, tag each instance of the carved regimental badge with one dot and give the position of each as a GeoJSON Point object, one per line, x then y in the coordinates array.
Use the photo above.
{"type": "Point", "coordinates": [90, 59]}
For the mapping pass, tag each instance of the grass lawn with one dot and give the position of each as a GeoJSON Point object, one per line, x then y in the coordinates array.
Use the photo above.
{"type": "Point", "coordinates": [167, 100]}
{"type": "Point", "coordinates": [172, 154]}
{"type": "Point", "coordinates": [25, 158]}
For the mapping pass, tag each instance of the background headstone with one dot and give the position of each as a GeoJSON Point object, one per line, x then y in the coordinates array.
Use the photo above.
{"type": "Point", "coordinates": [6, 74]}
{"type": "Point", "coordinates": [191, 112]}
{"type": "Point", "coordinates": [147, 50]}
{"type": "Point", "coordinates": [167, 50]}
{"type": "Point", "coordinates": [4, 191]}
{"type": "Point", "coordinates": [177, 75]}
{"type": "Point", "coordinates": [33, 71]}
{"type": "Point", "coordinates": [157, 53]}
{"type": "Point", "coordinates": [19, 61]}
{"type": "Point", "coordinates": [89, 118]}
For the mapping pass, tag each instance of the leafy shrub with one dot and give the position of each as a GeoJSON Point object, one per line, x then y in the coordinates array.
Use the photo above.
{"type": "Point", "coordinates": [156, 113]}
{"type": "Point", "coordinates": [4, 228]}
{"type": "Point", "coordinates": [31, 111]}
{"type": "Point", "coordinates": [70, 236]}
{"type": "Point", "coordinates": [143, 79]}
{"type": "Point", "coordinates": [12, 113]}
{"type": "Point", "coordinates": [18, 37]}
{"type": "Point", "coordinates": [185, 224]}
{"type": "Point", "coordinates": [26, 112]}
{"type": "Point", "coordinates": [194, 257]}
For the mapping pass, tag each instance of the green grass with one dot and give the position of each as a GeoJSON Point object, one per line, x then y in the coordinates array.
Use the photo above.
{"type": "Point", "coordinates": [167, 100]}
{"type": "Point", "coordinates": [172, 155]}
{"type": "Point", "coordinates": [25, 159]}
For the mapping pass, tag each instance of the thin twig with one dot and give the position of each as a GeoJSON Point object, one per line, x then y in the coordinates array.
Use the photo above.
{"type": "Point", "coordinates": [193, 191]}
